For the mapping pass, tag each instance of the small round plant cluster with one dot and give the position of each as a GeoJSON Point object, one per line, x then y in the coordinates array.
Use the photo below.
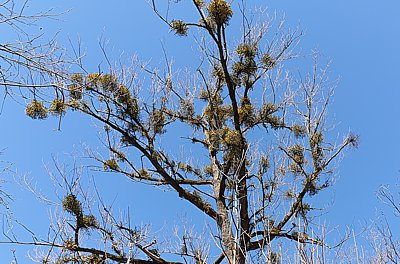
{"type": "Point", "coordinates": [219, 12]}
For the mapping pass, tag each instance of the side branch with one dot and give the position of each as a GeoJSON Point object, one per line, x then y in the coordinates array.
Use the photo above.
{"type": "Point", "coordinates": [198, 202]}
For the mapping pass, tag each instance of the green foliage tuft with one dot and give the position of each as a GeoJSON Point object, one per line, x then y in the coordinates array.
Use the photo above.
{"type": "Point", "coordinates": [267, 61]}
{"type": "Point", "coordinates": [232, 138]}
{"type": "Point", "coordinates": [122, 94]}
{"type": "Point", "coordinates": [317, 139]}
{"type": "Point", "coordinates": [75, 91]}
{"type": "Point", "coordinates": [248, 66]}
{"type": "Point", "coordinates": [246, 112]}
{"type": "Point", "coordinates": [296, 152]}
{"type": "Point", "coordinates": [200, 3]}
{"type": "Point", "coordinates": [180, 27]}
{"type": "Point", "coordinates": [92, 80]}
{"type": "Point", "coordinates": [72, 205]}
{"type": "Point", "coordinates": [108, 82]}
{"type": "Point", "coordinates": [245, 50]}
{"type": "Point", "coordinates": [89, 221]}
{"type": "Point", "coordinates": [219, 11]}
{"type": "Point", "coordinates": [77, 78]}
{"type": "Point", "coordinates": [36, 110]}
{"type": "Point", "coordinates": [143, 173]}
{"type": "Point", "coordinates": [299, 131]}
{"type": "Point", "coordinates": [204, 95]}
{"type": "Point", "coordinates": [266, 116]}
{"type": "Point", "coordinates": [58, 107]}
{"type": "Point", "coordinates": [218, 73]}
{"type": "Point", "coordinates": [186, 108]}
{"type": "Point", "coordinates": [110, 164]}
{"type": "Point", "coordinates": [157, 121]}
{"type": "Point", "coordinates": [70, 245]}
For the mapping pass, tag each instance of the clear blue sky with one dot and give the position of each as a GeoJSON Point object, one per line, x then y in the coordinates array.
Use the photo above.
{"type": "Point", "coordinates": [361, 37]}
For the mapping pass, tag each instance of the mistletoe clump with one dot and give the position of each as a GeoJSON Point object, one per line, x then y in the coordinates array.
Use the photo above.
{"type": "Point", "coordinates": [180, 27]}
{"type": "Point", "coordinates": [58, 107]}
{"type": "Point", "coordinates": [36, 110]}
{"type": "Point", "coordinates": [72, 205]}
{"type": "Point", "coordinates": [220, 12]}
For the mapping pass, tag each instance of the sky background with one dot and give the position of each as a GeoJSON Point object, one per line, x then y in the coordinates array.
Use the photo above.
{"type": "Point", "coordinates": [361, 38]}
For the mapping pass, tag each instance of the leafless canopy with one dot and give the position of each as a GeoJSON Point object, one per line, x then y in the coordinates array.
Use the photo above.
{"type": "Point", "coordinates": [26, 58]}
{"type": "Point", "coordinates": [256, 148]}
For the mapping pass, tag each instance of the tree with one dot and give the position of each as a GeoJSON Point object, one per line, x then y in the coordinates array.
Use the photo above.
{"type": "Point", "coordinates": [26, 59]}
{"type": "Point", "coordinates": [385, 244]}
{"type": "Point", "coordinates": [261, 141]}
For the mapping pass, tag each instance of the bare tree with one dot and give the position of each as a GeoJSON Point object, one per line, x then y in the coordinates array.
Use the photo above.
{"type": "Point", "coordinates": [86, 229]}
{"type": "Point", "coordinates": [384, 243]}
{"type": "Point", "coordinates": [27, 59]}
{"type": "Point", "coordinates": [260, 135]}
